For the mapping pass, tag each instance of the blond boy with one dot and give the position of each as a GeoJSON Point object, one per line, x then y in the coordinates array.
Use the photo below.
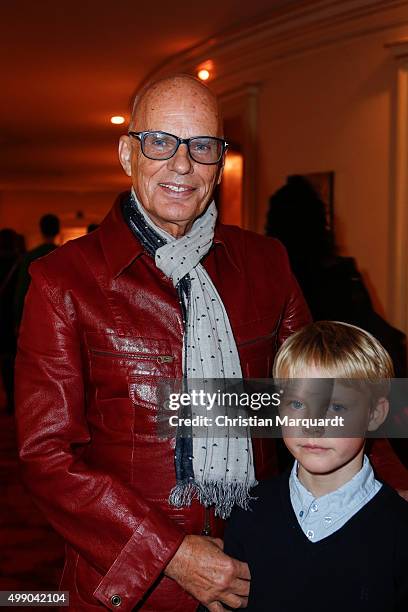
{"type": "Point", "coordinates": [329, 535]}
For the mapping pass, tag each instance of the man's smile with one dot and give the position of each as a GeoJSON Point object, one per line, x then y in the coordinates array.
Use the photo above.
{"type": "Point", "coordinates": [177, 189]}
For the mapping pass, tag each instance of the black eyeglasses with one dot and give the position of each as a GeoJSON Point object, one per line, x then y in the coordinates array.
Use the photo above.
{"type": "Point", "coordinates": [162, 146]}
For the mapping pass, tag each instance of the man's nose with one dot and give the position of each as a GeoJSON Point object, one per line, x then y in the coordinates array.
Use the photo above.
{"type": "Point", "coordinates": [181, 161]}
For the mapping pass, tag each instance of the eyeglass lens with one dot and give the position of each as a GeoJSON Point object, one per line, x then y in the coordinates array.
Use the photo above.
{"type": "Point", "coordinates": [204, 150]}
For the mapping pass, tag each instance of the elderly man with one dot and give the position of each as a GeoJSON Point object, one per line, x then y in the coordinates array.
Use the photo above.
{"type": "Point", "coordinates": [157, 291]}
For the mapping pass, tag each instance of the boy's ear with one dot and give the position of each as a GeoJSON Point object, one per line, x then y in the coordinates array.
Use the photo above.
{"type": "Point", "coordinates": [378, 414]}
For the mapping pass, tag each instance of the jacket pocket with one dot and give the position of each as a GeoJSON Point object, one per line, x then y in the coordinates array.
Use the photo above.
{"type": "Point", "coordinates": [149, 359]}
{"type": "Point", "coordinates": [113, 360]}
{"type": "Point", "coordinates": [152, 464]}
{"type": "Point", "coordinates": [149, 397]}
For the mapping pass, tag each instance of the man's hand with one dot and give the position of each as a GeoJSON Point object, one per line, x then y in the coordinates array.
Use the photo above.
{"type": "Point", "coordinates": [209, 575]}
{"type": "Point", "coordinates": [403, 493]}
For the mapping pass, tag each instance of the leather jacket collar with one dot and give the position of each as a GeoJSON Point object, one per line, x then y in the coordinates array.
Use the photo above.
{"type": "Point", "coordinates": [120, 246]}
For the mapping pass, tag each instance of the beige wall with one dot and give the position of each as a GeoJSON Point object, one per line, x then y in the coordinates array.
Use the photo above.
{"type": "Point", "coordinates": [331, 110]}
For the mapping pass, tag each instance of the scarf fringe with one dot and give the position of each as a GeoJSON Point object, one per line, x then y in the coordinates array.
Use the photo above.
{"type": "Point", "coordinates": [223, 495]}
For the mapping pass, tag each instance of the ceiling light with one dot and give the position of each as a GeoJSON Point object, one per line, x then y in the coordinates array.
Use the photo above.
{"type": "Point", "coordinates": [117, 120]}
{"type": "Point", "coordinates": [203, 74]}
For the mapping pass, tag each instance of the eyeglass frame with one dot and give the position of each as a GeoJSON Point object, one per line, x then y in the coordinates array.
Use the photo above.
{"type": "Point", "coordinates": [142, 135]}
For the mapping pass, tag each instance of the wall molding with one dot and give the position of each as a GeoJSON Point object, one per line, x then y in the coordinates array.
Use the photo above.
{"type": "Point", "coordinates": [246, 54]}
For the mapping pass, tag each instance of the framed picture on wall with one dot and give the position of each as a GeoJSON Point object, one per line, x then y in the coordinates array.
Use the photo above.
{"type": "Point", "coordinates": [323, 183]}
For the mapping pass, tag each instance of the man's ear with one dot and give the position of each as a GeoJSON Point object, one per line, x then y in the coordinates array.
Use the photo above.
{"type": "Point", "coordinates": [378, 414]}
{"type": "Point", "coordinates": [125, 154]}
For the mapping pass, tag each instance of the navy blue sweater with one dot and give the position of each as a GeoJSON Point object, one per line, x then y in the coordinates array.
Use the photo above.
{"type": "Point", "coordinates": [362, 567]}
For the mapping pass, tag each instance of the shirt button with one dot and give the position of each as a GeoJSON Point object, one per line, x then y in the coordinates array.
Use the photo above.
{"type": "Point", "coordinates": [310, 534]}
{"type": "Point", "coordinates": [315, 508]}
{"type": "Point", "coordinates": [116, 600]}
{"type": "Point", "coordinates": [301, 513]}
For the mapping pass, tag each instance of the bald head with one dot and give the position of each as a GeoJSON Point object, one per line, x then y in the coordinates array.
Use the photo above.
{"type": "Point", "coordinates": [174, 190]}
{"type": "Point", "coordinates": [188, 92]}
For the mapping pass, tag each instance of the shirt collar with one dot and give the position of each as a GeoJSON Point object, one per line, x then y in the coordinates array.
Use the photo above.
{"type": "Point", "coordinates": [337, 503]}
{"type": "Point", "coordinates": [120, 246]}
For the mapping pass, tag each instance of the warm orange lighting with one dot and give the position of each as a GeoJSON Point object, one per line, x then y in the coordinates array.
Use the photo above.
{"type": "Point", "coordinates": [70, 233]}
{"type": "Point", "coordinates": [117, 120]}
{"type": "Point", "coordinates": [203, 74]}
{"type": "Point", "coordinates": [232, 189]}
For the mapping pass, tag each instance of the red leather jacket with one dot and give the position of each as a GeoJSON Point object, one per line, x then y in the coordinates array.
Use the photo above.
{"type": "Point", "coordinates": [101, 322]}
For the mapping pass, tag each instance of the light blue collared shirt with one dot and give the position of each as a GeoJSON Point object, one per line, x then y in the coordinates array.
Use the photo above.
{"type": "Point", "coordinates": [319, 517]}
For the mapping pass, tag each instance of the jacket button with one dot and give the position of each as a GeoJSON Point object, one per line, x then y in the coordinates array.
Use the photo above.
{"type": "Point", "coordinates": [116, 600]}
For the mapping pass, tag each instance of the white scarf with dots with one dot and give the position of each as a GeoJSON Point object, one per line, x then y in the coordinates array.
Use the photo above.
{"type": "Point", "coordinates": [222, 463]}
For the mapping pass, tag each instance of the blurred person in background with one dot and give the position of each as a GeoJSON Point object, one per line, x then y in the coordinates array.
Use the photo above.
{"type": "Point", "coordinates": [333, 287]}
{"type": "Point", "coordinates": [50, 228]}
{"type": "Point", "coordinates": [10, 257]}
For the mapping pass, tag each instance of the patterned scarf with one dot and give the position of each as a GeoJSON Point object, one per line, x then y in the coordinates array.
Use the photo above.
{"type": "Point", "coordinates": [217, 470]}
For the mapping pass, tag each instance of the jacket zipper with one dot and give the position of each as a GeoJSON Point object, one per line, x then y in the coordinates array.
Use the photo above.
{"type": "Point", "coordinates": [158, 358]}
{"type": "Point", "coordinates": [207, 526]}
